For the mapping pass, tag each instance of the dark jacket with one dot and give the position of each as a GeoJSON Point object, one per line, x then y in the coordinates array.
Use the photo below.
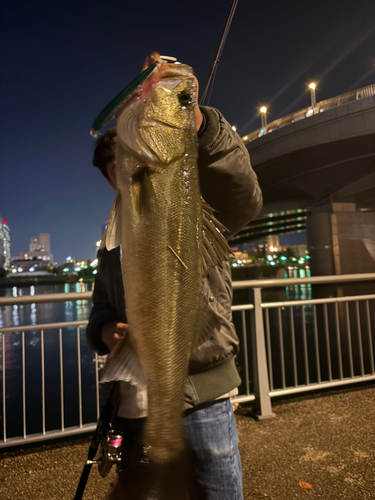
{"type": "Point", "coordinates": [230, 186]}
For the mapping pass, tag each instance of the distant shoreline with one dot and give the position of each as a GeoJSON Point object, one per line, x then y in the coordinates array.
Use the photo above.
{"type": "Point", "coordinates": [239, 273]}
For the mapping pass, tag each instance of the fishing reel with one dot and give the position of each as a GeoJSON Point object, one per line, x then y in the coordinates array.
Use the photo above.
{"type": "Point", "coordinates": [110, 452]}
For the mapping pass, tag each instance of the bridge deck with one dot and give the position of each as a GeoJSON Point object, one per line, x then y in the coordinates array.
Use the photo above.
{"type": "Point", "coordinates": [325, 440]}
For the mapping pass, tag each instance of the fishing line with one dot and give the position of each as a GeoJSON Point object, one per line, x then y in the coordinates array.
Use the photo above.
{"type": "Point", "coordinates": [212, 85]}
{"type": "Point", "coordinates": [219, 52]}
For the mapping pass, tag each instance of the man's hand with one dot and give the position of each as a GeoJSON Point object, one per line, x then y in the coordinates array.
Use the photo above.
{"type": "Point", "coordinates": [112, 333]}
{"type": "Point", "coordinates": [155, 56]}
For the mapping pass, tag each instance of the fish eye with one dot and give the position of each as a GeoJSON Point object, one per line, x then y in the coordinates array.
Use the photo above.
{"type": "Point", "coordinates": [184, 98]}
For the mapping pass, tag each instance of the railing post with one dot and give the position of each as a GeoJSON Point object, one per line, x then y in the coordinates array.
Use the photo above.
{"type": "Point", "coordinates": [262, 407]}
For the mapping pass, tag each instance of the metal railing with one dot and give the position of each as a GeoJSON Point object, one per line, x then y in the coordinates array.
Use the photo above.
{"type": "Point", "coordinates": [63, 391]}
{"type": "Point", "coordinates": [62, 430]}
{"type": "Point", "coordinates": [319, 343]}
{"type": "Point", "coordinates": [321, 106]}
{"type": "Point", "coordinates": [287, 347]}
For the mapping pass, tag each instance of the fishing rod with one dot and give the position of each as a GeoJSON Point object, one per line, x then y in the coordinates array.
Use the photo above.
{"type": "Point", "coordinates": [105, 438]}
{"type": "Point", "coordinates": [218, 53]}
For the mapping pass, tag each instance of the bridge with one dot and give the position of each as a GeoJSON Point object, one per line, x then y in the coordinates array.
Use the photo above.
{"type": "Point", "coordinates": [291, 221]}
{"type": "Point", "coordinates": [321, 159]}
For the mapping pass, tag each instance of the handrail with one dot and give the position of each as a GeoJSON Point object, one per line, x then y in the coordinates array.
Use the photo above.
{"type": "Point", "coordinates": [339, 100]}
{"type": "Point", "coordinates": [48, 435]}
{"type": "Point", "coordinates": [328, 300]}
{"type": "Point", "coordinates": [43, 298]}
{"type": "Point", "coordinates": [45, 326]}
{"type": "Point", "coordinates": [265, 283]}
{"type": "Point", "coordinates": [302, 281]}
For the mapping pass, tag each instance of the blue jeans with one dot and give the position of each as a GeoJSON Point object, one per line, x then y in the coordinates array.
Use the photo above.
{"type": "Point", "coordinates": [214, 471]}
{"type": "Point", "coordinates": [212, 440]}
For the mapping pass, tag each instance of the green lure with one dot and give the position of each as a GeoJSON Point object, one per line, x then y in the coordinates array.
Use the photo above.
{"type": "Point", "coordinates": [117, 102]}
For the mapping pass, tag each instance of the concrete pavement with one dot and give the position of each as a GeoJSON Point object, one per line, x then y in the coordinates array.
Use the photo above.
{"type": "Point", "coordinates": [326, 440]}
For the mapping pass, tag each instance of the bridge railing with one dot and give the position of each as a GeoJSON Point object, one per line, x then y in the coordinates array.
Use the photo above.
{"type": "Point", "coordinates": [321, 106]}
{"type": "Point", "coordinates": [287, 347]}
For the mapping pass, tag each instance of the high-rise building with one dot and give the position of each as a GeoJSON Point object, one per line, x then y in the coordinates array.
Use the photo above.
{"type": "Point", "coordinates": [273, 243]}
{"type": "Point", "coordinates": [40, 249]}
{"type": "Point", "coordinates": [4, 244]}
{"type": "Point", "coordinates": [40, 243]}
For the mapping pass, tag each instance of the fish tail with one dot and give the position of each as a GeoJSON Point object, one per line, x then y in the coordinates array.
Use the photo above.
{"type": "Point", "coordinates": [148, 481]}
{"type": "Point", "coordinates": [170, 481]}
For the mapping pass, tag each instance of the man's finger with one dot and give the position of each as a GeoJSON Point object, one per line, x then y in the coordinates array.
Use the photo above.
{"type": "Point", "coordinates": [150, 59]}
{"type": "Point", "coordinates": [121, 327]}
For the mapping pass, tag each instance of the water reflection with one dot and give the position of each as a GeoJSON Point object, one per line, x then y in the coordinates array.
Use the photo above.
{"type": "Point", "coordinates": [34, 314]}
{"type": "Point", "coordinates": [81, 287]}
{"type": "Point", "coordinates": [69, 310]}
{"type": "Point", "coordinates": [296, 272]}
{"type": "Point", "coordinates": [33, 338]}
{"type": "Point", "coordinates": [15, 319]}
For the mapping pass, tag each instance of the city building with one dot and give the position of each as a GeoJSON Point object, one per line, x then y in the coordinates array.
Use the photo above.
{"type": "Point", "coordinates": [104, 227]}
{"type": "Point", "coordinates": [4, 244]}
{"type": "Point", "coordinates": [40, 243]}
{"type": "Point", "coordinates": [299, 251]}
{"type": "Point", "coordinates": [33, 267]}
{"type": "Point", "coordinates": [39, 249]}
{"type": "Point", "coordinates": [72, 265]}
{"type": "Point", "coordinates": [273, 243]}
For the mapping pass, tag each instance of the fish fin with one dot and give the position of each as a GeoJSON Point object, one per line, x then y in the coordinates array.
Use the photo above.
{"type": "Point", "coordinates": [215, 245]}
{"type": "Point", "coordinates": [142, 191]}
{"type": "Point", "coordinates": [112, 235]}
{"type": "Point", "coordinates": [122, 364]}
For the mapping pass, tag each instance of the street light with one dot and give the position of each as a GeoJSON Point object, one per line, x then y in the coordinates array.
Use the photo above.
{"type": "Point", "coordinates": [263, 117]}
{"type": "Point", "coordinates": [234, 128]}
{"type": "Point", "coordinates": [312, 87]}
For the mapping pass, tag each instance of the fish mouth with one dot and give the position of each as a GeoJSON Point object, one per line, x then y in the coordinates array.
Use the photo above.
{"type": "Point", "coordinates": [163, 124]}
{"type": "Point", "coordinates": [175, 71]}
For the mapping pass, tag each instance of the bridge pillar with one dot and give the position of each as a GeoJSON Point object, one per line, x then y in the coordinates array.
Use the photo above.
{"type": "Point", "coordinates": [341, 239]}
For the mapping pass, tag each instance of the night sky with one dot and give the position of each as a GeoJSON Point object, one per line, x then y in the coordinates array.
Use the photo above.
{"type": "Point", "coordinates": [62, 61]}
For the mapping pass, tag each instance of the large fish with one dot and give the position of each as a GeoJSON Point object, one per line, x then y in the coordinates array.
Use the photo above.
{"type": "Point", "coordinates": [169, 238]}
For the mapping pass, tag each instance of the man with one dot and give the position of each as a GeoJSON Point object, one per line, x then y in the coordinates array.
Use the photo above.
{"type": "Point", "coordinates": [230, 186]}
